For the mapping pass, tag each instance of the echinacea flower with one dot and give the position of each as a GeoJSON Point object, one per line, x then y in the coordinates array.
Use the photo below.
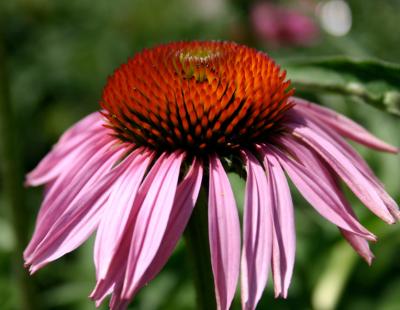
{"type": "Point", "coordinates": [173, 119]}
{"type": "Point", "coordinates": [279, 26]}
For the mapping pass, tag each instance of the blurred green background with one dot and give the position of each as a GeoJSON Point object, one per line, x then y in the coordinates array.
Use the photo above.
{"type": "Point", "coordinates": [57, 56]}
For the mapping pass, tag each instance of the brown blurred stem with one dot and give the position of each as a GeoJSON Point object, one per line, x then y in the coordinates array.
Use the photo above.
{"type": "Point", "coordinates": [11, 172]}
{"type": "Point", "coordinates": [196, 237]}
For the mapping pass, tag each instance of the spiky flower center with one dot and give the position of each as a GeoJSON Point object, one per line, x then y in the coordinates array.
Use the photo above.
{"type": "Point", "coordinates": [196, 96]}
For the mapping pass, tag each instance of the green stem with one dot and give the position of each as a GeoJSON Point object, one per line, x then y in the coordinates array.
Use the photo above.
{"type": "Point", "coordinates": [389, 102]}
{"type": "Point", "coordinates": [196, 237]}
{"type": "Point", "coordinates": [12, 184]}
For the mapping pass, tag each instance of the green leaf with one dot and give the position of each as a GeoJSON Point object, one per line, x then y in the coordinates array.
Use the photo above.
{"type": "Point", "coordinates": [374, 82]}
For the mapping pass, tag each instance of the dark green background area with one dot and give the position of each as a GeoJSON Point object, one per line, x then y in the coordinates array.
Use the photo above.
{"type": "Point", "coordinates": [58, 55]}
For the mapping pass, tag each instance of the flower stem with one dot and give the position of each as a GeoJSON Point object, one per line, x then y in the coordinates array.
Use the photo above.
{"type": "Point", "coordinates": [389, 101]}
{"type": "Point", "coordinates": [12, 185]}
{"type": "Point", "coordinates": [196, 236]}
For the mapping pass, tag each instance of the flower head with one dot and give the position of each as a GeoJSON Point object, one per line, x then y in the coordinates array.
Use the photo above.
{"type": "Point", "coordinates": [199, 98]}
{"type": "Point", "coordinates": [171, 116]}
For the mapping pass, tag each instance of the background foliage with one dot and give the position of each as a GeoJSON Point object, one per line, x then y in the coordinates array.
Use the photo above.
{"type": "Point", "coordinates": [58, 55]}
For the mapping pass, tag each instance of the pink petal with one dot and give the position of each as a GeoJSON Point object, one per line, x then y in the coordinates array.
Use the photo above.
{"type": "Point", "coordinates": [77, 231]}
{"type": "Point", "coordinates": [185, 200]}
{"type": "Point", "coordinates": [356, 160]}
{"type": "Point", "coordinates": [343, 125]}
{"type": "Point", "coordinates": [66, 230]}
{"type": "Point", "coordinates": [359, 244]}
{"type": "Point", "coordinates": [309, 158]}
{"type": "Point", "coordinates": [323, 197]}
{"type": "Point", "coordinates": [224, 234]}
{"type": "Point", "coordinates": [144, 230]}
{"type": "Point", "coordinates": [344, 147]}
{"type": "Point", "coordinates": [284, 236]}
{"type": "Point", "coordinates": [151, 222]}
{"type": "Point", "coordinates": [367, 191]}
{"type": "Point", "coordinates": [116, 301]}
{"type": "Point", "coordinates": [257, 234]}
{"type": "Point", "coordinates": [312, 162]}
{"type": "Point", "coordinates": [91, 122]}
{"type": "Point", "coordinates": [117, 210]}
{"type": "Point", "coordinates": [76, 140]}
{"type": "Point", "coordinates": [65, 189]}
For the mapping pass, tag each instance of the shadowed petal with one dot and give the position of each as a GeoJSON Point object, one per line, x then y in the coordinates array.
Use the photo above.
{"type": "Point", "coordinates": [359, 244]}
{"type": "Point", "coordinates": [151, 222]}
{"type": "Point", "coordinates": [361, 185]}
{"type": "Point", "coordinates": [144, 230]}
{"type": "Point", "coordinates": [257, 234]}
{"type": "Point", "coordinates": [358, 162]}
{"type": "Point", "coordinates": [343, 125]}
{"type": "Point", "coordinates": [73, 182]}
{"type": "Point", "coordinates": [63, 191]}
{"type": "Point", "coordinates": [336, 140]}
{"type": "Point", "coordinates": [66, 230]}
{"type": "Point", "coordinates": [224, 234]}
{"type": "Point", "coordinates": [185, 200]}
{"type": "Point", "coordinates": [117, 209]}
{"type": "Point", "coordinates": [320, 195]}
{"type": "Point", "coordinates": [313, 162]}
{"type": "Point", "coordinates": [284, 236]}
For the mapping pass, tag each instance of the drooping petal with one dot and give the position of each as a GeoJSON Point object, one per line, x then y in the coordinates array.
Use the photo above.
{"type": "Point", "coordinates": [185, 200]}
{"type": "Point", "coordinates": [342, 146]}
{"type": "Point", "coordinates": [144, 230]}
{"type": "Point", "coordinates": [117, 303]}
{"type": "Point", "coordinates": [61, 190]}
{"type": "Point", "coordinates": [76, 140]}
{"type": "Point", "coordinates": [312, 162]}
{"type": "Point", "coordinates": [151, 222]}
{"type": "Point", "coordinates": [68, 229]}
{"type": "Point", "coordinates": [308, 158]}
{"type": "Point", "coordinates": [343, 125]}
{"type": "Point", "coordinates": [257, 234]}
{"type": "Point", "coordinates": [68, 186]}
{"type": "Point", "coordinates": [336, 140]}
{"type": "Point", "coordinates": [320, 195]}
{"type": "Point", "coordinates": [224, 234]}
{"type": "Point", "coordinates": [359, 244]}
{"type": "Point", "coordinates": [367, 191]}
{"type": "Point", "coordinates": [117, 210]}
{"type": "Point", "coordinates": [284, 236]}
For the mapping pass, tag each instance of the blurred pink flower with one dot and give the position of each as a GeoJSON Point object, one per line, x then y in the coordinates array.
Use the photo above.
{"type": "Point", "coordinates": [277, 25]}
{"type": "Point", "coordinates": [173, 114]}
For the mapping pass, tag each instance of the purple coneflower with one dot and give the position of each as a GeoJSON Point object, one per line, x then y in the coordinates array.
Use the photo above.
{"type": "Point", "coordinates": [174, 118]}
{"type": "Point", "coordinates": [280, 26]}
